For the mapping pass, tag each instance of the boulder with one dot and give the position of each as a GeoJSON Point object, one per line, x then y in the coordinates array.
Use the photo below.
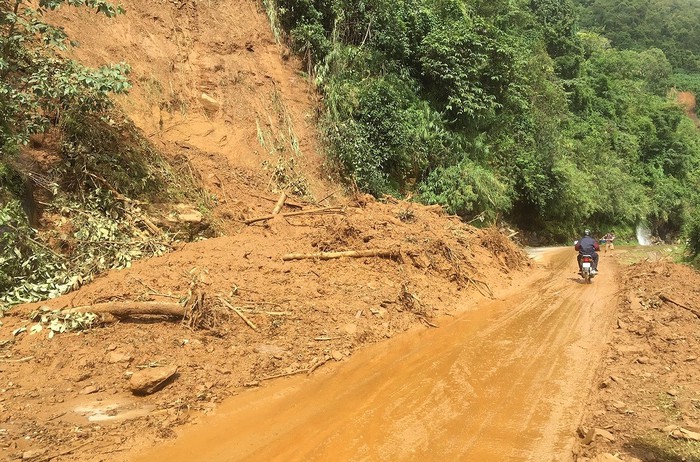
{"type": "Point", "coordinates": [148, 381]}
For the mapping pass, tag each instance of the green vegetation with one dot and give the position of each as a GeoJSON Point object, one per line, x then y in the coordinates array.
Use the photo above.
{"type": "Point", "coordinates": [509, 109]}
{"type": "Point", "coordinates": [103, 176]}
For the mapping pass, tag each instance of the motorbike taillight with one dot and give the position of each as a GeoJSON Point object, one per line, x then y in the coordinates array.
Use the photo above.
{"type": "Point", "coordinates": [587, 259]}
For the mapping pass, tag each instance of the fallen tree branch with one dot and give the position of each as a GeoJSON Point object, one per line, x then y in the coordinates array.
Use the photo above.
{"type": "Point", "coordinates": [126, 309]}
{"type": "Point", "coordinates": [393, 254]}
{"type": "Point", "coordinates": [321, 211]}
{"type": "Point", "coordinates": [664, 298]}
{"type": "Point", "coordinates": [272, 199]}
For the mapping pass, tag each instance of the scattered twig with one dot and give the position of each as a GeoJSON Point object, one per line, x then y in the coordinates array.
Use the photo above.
{"type": "Point", "coordinates": [317, 365]}
{"type": "Point", "coordinates": [20, 360]}
{"type": "Point", "coordinates": [329, 196]}
{"type": "Point", "coordinates": [65, 452]}
{"type": "Point", "coordinates": [664, 298]}
{"type": "Point", "coordinates": [285, 374]}
{"type": "Point", "coordinates": [321, 211]}
{"type": "Point", "coordinates": [272, 199]}
{"type": "Point", "coordinates": [240, 314]}
{"type": "Point", "coordinates": [428, 323]}
{"type": "Point", "coordinates": [325, 339]}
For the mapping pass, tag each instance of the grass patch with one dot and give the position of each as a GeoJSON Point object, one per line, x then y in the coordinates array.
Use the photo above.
{"type": "Point", "coordinates": [658, 446]}
{"type": "Point", "coordinates": [629, 255]}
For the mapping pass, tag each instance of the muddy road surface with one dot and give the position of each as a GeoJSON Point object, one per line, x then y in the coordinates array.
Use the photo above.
{"type": "Point", "coordinates": [503, 381]}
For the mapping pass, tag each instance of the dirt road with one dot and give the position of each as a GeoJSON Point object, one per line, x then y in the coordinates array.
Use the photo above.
{"type": "Point", "coordinates": [503, 381]}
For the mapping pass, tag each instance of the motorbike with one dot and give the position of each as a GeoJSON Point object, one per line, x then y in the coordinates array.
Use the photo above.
{"type": "Point", "coordinates": [587, 268]}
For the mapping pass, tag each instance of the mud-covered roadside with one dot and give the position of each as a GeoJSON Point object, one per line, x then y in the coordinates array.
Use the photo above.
{"type": "Point", "coordinates": [70, 397]}
{"type": "Point", "coordinates": [646, 405]}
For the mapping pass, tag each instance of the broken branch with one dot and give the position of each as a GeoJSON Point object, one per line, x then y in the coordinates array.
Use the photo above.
{"type": "Point", "coordinates": [240, 314]}
{"type": "Point", "coordinates": [393, 254]}
{"type": "Point", "coordinates": [321, 211]}
{"type": "Point", "coordinates": [126, 309]}
{"type": "Point", "coordinates": [280, 203]}
{"type": "Point", "coordinates": [664, 298]}
{"type": "Point", "coordinates": [288, 202]}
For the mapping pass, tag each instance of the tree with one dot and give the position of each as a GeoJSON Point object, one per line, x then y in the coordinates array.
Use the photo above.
{"type": "Point", "coordinates": [37, 85]}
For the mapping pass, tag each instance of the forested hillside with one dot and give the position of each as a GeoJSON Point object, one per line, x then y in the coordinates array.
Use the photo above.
{"type": "Point", "coordinates": [515, 109]}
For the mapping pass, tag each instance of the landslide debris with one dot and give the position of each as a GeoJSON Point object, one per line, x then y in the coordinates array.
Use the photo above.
{"type": "Point", "coordinates": [260, 318]}
{"type": "Point", "coordinates": [648, 392]}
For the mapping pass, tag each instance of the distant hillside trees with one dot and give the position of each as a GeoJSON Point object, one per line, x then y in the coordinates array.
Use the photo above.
{"type": "Point", "coordinates": [508, 109]}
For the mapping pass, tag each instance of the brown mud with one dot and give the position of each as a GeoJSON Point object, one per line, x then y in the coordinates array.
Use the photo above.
{"type": "Point", "coordinates": [460, 349]}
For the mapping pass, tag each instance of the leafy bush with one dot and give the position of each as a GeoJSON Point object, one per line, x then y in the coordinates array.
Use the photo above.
{"type": "Point", "coordinates": [29, 270]}
{"type": "Point", "coordinates": [692, 236]}
{"type": "Point", "coordinates": [466, 189]}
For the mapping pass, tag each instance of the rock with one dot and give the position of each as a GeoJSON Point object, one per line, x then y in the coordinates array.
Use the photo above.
{"type": "Point", "coordinates": [594, 432]}
{"type": "Point", "coordinates": [337, 355]}
{"type": "Point", "coordinates": [150, 380]}
{"type": "Point", "coordinates": [83, 376]}
{"type": "Point", "coordinates": [350, 329]}
{"type": "Point", "coordinates": [209, 103]}
{"type": "Point", "coordinates": [629, 349]}
{"type": "Point", "coordinates": [116, 357]}
{"type": "Point", "coordinates": [606, 457]}
{"type": "Point", "coordinates": [672, 392]}
{"type": "Point", "coordinates": [685, 434]}
{"type": "Point", "coordinates": [90, 389]}
{"type": "Point", "coordinates": [193, 216]}
{"type": "Point", "coordinates": [643, 360]}
{"type": "Point", "coordinates": [617, 380]}
{"type": "Point", "coordinates": [33, 454]}
{"type": "Point", "coordinates": [618, 404]}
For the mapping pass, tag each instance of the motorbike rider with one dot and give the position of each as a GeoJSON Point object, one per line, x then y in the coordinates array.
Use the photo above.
{"type": "Point", "coordinates": [587, 246]}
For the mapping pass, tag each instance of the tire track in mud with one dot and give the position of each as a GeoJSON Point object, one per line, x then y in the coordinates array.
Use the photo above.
{"type": "Point", "coordinates": [503, 381]}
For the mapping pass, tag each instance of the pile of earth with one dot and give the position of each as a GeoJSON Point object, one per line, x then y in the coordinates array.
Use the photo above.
{"type": "Point", "coordinates": [646, 404]}
{"type": "Point", "coordinates": [258, 317]}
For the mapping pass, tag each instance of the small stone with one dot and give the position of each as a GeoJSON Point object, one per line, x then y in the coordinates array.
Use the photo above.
{"type": "Point", "coordinates": [594, 432]}
{"type": "Point", "coordinates": [672, 392]}
{"type": "Point", "coordinates": [193, 216]}
{"type": "Point", "coordinates": [337, 355]}
{"type": "Point", "coordinates": [209, 103]}
{"type": "Point", "coordinates": [606, 457]}
{"type": "Point", "coordinates": [90, 389]}
{"type": "Point", "coordinates": [116, 357]}
{"type": "Point", "coordinates": [150, 380]}
{"type": "Point", "coordinates": [33, 454]}
{"type": "Point", "coordinates": [643, 360]}
{"type": "Point", "coordinates": [618, 404]}
{"type": "Point", "coordinates": [83, 376]}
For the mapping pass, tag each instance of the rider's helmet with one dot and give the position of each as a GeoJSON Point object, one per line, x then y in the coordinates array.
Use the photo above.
{"type": "Point", "coordinates": [587, 232]}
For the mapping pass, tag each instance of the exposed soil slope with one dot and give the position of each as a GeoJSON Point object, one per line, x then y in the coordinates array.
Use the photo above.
{"type": "Point", "coordinates": [212, 87]}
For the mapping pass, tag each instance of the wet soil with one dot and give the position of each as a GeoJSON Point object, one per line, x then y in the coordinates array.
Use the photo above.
{"type": "Point", "coordinates": [505, 380]}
